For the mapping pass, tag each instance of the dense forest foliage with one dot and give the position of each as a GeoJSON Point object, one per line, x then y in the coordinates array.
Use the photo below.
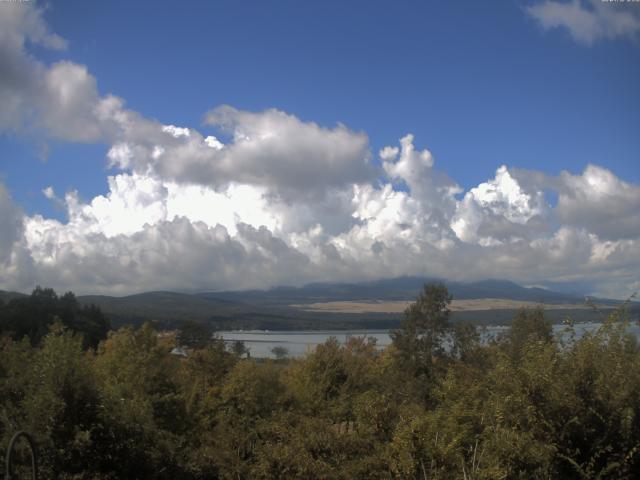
{"type": "Point", "coordinates": [437, 404]}
{"type": "Point", "coordinates": [31, 316]}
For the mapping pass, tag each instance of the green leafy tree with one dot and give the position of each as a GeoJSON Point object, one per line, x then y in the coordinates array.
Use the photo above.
{"type": "Point", "coordinates": [529, 325]}
{"type": "Point", "coordinates": [280, 352]}
{"type": "Point", "coordinates": [31, 316]}
{"type": "Point", "coordinates": [419, 342]}
{"type": "Point", "coordinates": [59, 403]}
{"type": "Point", "coordinates": [194, 334]}
{"type": "Point", "coordinates": [465, 341]}
{"type": "Point", "coordinates": [251, 395]}
{"type": "Point", "coordinates": [144, 412]}
{"type": "Point", "coordinates": [239, 349]}
{"type": "Point", "coordinates": [202, 376]}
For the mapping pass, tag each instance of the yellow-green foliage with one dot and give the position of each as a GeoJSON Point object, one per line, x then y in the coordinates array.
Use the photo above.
{"type": "Point", "coordinates": [527, 405]}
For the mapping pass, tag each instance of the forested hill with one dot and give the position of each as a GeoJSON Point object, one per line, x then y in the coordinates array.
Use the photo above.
{"type": "Point", "coordinates": [162, 305]}
{"type": "Point", "coordinates": [273, 309]}
{"type": "Point", "coordinates": [7, 296]}
{"type": "Point", "coordinates": [283, 308]}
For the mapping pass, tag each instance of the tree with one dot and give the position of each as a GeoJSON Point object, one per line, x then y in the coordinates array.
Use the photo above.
{"type": "Point", "coordinates": [280, 352]}
{"type": "Point", "coordinates": [31, 316]}
{"type": "Point", "coordinates": [61, 404]}
{"type": "Point", "coordinates": [239, 349]}
{"type": "Point", "coordinates": [424, 328]}
{"type": "Point", "coordinates": [465, 340]}
{"type": "Point", "coordinates": [202, 373]}
{"type": "Point", "coordinates": [250, 396]}
{"type": "Point", "coordinates": [142, 407]}
{"type": "Point", "coordinates": [194, 334]}
{"type": "Point", "coordinates": [529, 325]}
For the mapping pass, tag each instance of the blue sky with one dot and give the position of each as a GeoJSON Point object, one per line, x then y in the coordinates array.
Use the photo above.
{"type": "Point", "coordinates": [478, 84]}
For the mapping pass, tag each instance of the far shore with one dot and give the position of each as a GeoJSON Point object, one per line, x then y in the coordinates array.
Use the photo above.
{"type": "Point", "coordinates": [399, 306]}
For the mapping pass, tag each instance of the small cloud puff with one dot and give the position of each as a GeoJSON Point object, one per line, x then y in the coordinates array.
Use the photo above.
{"type": "Point", "coordinates": [588, 21]}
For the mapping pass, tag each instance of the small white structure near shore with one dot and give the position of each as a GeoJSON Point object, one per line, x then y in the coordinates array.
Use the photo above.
{"type": "Point", "coordinates": [179, 351]}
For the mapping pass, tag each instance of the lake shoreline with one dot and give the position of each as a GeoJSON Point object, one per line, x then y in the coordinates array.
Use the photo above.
{"type": "Point", "coordinates": [301, 342]}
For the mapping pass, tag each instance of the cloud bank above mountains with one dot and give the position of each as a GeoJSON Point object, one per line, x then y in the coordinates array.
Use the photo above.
{"type": "Point", "coordinates": [277, 200]}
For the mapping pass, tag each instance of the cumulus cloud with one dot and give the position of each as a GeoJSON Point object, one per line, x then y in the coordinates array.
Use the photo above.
{"type": "Point", "coordinates": [271, 148]}
{"type": "Point", "coordinates": [269, 199]}
{"type": "Point", "coordinates": [11, 221]}
{"type": "Point", "coordinates": [160, 256]}
{"type": "Point", "coordinates": [433, 188]}
{"type": "Point", "coordinates": [275, 148]}
{"type": "Point", "coordinates": [16, 263]}
{"type": "Point", "coordinates": [599, 201]}
{"type": "Point", "coordinates": [61, 100]}
{"type": "Point", "coordinates": [499, 210]}
{"type": "Point", "coordinates": [296, 160]}
{"type": "Point", "coordinates": [588, 20]}
{"type": "Point", "coordinates": [150, 233]}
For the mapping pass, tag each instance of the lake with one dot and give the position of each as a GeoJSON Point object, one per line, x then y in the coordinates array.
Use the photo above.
{"type": "Point", "coordinates": [299, 343]}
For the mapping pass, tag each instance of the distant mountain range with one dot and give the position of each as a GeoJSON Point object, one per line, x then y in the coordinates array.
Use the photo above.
{"type": "Point", "coordinates": [401, 288]}
{"type": "Point", "coordinates": [272, 308]}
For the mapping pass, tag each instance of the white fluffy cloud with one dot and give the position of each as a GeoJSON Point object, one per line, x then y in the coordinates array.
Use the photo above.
{"type": "Point", "coordinates": [150, 233]}
{"type": "Point", "coordinates": [589, 20]}
{"type": "Point", "coordinates": [434, 189]}
{"type": "Point", "coordinates": [296, 160]}
{"type": "Point", "coordinates": [11, 221]}
{"type": "Point", "coordinates": [498, 211]}
{"type": "Point", "coordinates": [393, 233]}
{"type": "Point", "coordinates": [16, 263]}
{"type": "Point", "coordinates": [271, 148]}
{"type": "Point", "coordinates": [600, 202]}
{"type": "Point", "coordinates": [276, 200]}
{"type": "Point", "coordinates": [161, 256]}
{"type": "Point", "coordinates": [60, 101]}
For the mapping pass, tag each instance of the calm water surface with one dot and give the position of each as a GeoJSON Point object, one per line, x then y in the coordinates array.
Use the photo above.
{"type": "Point", "coordinates": [299, 343]}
